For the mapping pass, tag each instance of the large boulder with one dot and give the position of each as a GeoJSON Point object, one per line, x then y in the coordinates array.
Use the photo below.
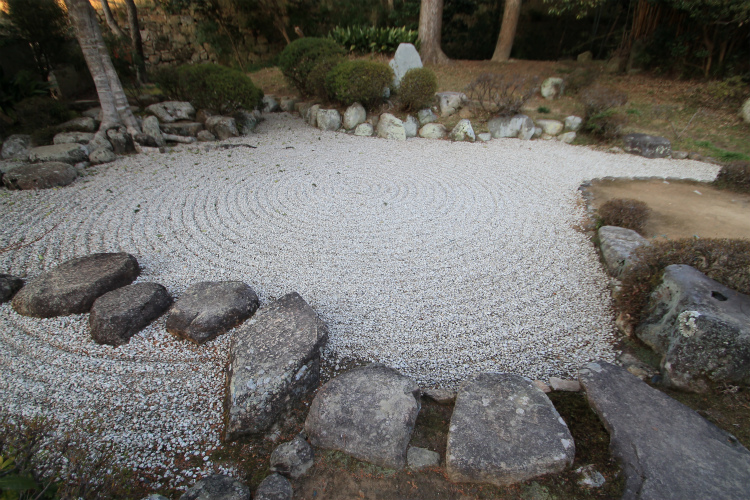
{"type": "Point", "coordinates": [122, 142]}
{"type": "Point", "coordinates": [311, 115]}
{"type": "Point", "coordinates": [552, 87]}
{"type": "Point", "coordinates": [274, 361]}
{"type": "Point", "coordinates": [217, 487]}
{"type": "Point", "coordinates": [40, 176]}
{"type": "Point", "coordinates": [102, 155]}
{"type": "Point", "coordinates": [405, 58]}
{"type": "Point", "coordinates": [390, 127]}
{"type": "Point", "coordinates": [185, 128]}
{"type": "Point", "coordinates": [16, 147]}
{"type": "Point", "coordinates": [151, 127]}
{"type": "Point", "coordinates": [745, 111]}
{"type": "Point", "coordinates": [73, 137]}
{"type": "Point", "coordinates": [118, 315]}
{"type": "Point", "coordinates": [354, 115]}
{"type": "Point", "coordinates": [667, 451]}
{"type": "Point", "coordinates": [520, 126]}
{"type": "Point", "coordinates": [172, 111]}
{"type": "Point", "coordinates": [328, 119]}
{"type": "Point", "coordinates": [550, 127]}
{"type": "Point", "coordinates": [73, 286]}
{"type": "Point", "coordinates": [433, 131]}
{"type": "Point", "coordinates": [573, 123]}
{"type": "Point", "coordinates": [463, 131]}
{"type": "Point", "coordinates": [292, 459]}
{"type": "Point", "coordinates": [368, 412]}
{"type": "Point", "coordinates": [211, 308]}
{"type": "Point", "coordinates": [247, 121]}
{"type": "Point", "coordinates": [411, 126]}
{"type": "Point", "coordinates": [426, 116]}
{"type": "Point", "coordinates": [700, 328]}
{"type": "Point", "coordinates": [364, 130]}
{"type": "Point", "coordinates": [451, 102]}
{"type": "Point", "coordinates": [9, 285]}
{"type": "Point", "coordinates": [617, 244]}
{"type": "Point", "coordinates": [648, 146]}
{"type": "Point", "coordinates": [65, 153]}
{"type": "Point", "coordinates": [222, 127]}
{"type": "Point", "coordinates": [274, 487]}
{"type": "Point", "coordinates": [81, 124]}
{"type": "Point", "coordinates": [505, 430]}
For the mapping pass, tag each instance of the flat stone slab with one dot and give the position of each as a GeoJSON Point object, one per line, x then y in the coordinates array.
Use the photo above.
{"type": "Point", "coordinates": [172, 111]}
{"type": "Point", "coordinates": [700, 328]}
{"type": "Point", "coordinates": [505, 430]}
{"type": "Point", "coordinates": [65, 153]}
{"type": "Point", "coordinates": [73, 286]}
{"type": "Point", "coordinates": [73, 138]}
{"type": "Point", "coordinates": [274, 361]}
{"type": "Point", "coordinates": [211, 308]}
{"type": "Point", "coordinates": [292, 459]}
{"type": "Point", "coordinates": [16, 147]}
{"type": "Point", "coordinates": [368, 412]}
{"type": "Point", "coordinates": [40, 176]}
{"type": "Point", "coordinates": [9, 285]}
{"type": "Point", "coordinates": [217, 487]}
{"type": "Point", "coordinates": [187, 129]}
{"type": "Point", "coordinates": [617, 244]}
{"type": "Point", "coordinates": [648, 146]}
{"type": "Point", "coordinates": [118, 315]}
{"type": "Point", "coordinates": [667, 450]}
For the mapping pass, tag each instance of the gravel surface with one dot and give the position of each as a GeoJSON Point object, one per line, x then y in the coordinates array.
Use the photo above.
{"type": "Point", "coordinates": [439, 259]}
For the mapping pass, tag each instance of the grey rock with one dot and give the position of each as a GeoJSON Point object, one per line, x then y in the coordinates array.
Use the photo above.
{"type": "Point", "coordinates": [179, 138]}
{"type": "Point", "coordinates": [559, 384]}
{"type": "Point", "coordinates": [99, 141]}
{"type": "Point", "coordinates": [188, 129]}
{"type": "Point", "coordinates": [484, 137]}
{"type": "Point", "coordinates": [145, 140]}
{"type": "Point", "coordinates": [274, 361]}
{"type": "Point", "coordinates": [222, 127]}
{"type": "Point", "coordinates": [205, 136]}
{"type": "Point", "coordinates": [390, 127]}
{"type": "Point", "coordinates": [442, 396]}
{"type": "Point", "coordinates": [550, 127]}
{"type": "Point", "coordinates": [73, 286]}
{"type": "Point", "coordinates": [122, 142]}
{"type": "Point", "coordinates": [65, 153]}
{"type": "Point", "coordinates": [542, 386]}
{"type": "Point", "coordinates": [211, 308]}
{"type": "Point", "coordinates": [274, 487]}
{"type": "Point", "coordinates": [667, 451]}
{"type": "Point", "coordinates": [590, 477]}
{"type": "Point", "coordinates": [745, 111]}
{"type": "Point", "coordinates": [247, 121]}
{"type": "Point", "coordinates": [172, 111]}
{"type": "Point", "coordinates": [617, 244]}
{"type": "Point", "coordinates": [9, 285]}
{"type": "Point", "coordinates": [151, 127]}
{"type": "Point", "coordinates": [302, 108]}
{"type": "Point", "coordinates": [217, 487]}
{"type": "Point", "coordinates": [573, 123]}
{"type": "Point", "coordinates": [636, 367]}
{"type": "Point", "coordinates": [700, 328]}
{"type": "Point", "coordinates": [585, 57]}
{"type": "Point", "coordinates": [505, 430]}
{"type": "Point", "coordinates": [364, 130]}
{"type": "Point", "coordinates": [72, 138]}
{"type": "Point", "coordinates": [405, 58]}
{"type": "Point", "coordinates": [354, 115]}
{"type": "Point", "coordinates": [94, 113]}
{"type": "Point", "coordinates": [552, 87]}
{"type": "Point", "coordinates": [270, 104]}
{"type": "Point", "coordinates": [433, 131]}
{"type": "Point", "coordinates": [102, 155]}
{"type": "Point", "coordinates": [537, 132]}
{"type": "Point", "coordinates": [16, 147]}
{"type": "Point", "coordinates": [451, 102]}
{"type": "Point", "coordinates": [567, 137]}
{"type": "Point", "coordinates": [118, 315]}
{"type": "Point", "coordinates": [368, 412]}
{"type": "Point", "coordinates": [463, 131]}
{"type": "Point", "coordinates": [40, 176]}
{"type": "Point", "coordinates": [648, 146]}
{"type": "Point", "coordinates": [520, 126]}
{"type": "Point", "coordinates": [426, 116]}
{"type": "Point", "coordinates": [420, 458]}
{"type": "Point", "coordinates": [287, 104]}
{"type": "Point", "coordinates": [203, 114]}
{"type": "Point", "coordinates": [155, 496]}
{"type": "Point", "coordinates": [311, 116]}
{"type": "Point", "coordinates": [292, 459]}
{"type": "Point", "coordinates": [81, 124]}
{"type": "Point", "coordinates": [410, 126]}
{"type": "Point", "coordinates": [328, 119]}
{"type": "Point", "coordinates": [680, 155]}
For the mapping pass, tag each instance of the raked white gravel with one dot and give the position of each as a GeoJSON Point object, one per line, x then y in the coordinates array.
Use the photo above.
{"type": "Point", "coordinates": [439, 259]}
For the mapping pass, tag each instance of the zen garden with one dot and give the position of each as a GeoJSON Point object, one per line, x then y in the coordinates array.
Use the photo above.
{"type": "Point", "coordinates": [387, 250]}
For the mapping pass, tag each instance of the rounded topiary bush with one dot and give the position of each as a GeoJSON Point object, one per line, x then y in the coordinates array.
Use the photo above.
{"type": "Point", "coordinates": [417, 88]}
{"type": "Point", "coordinates": [359, 81]}
{"type": "Point", "coordinates": [316, 79]}
{"type": "Point", "coordinates": [299, 58]}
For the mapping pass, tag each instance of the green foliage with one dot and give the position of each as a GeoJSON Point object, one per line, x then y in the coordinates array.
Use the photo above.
{"type": "Point", "coordinates": [735, 177]}
{"type": "Point", "coordinates": [627, 213]}
{"type": "Point", "coordinates": [40, 112]}
{"type": "Point", "coordinates": [417, 88]}
{"type": "Point", "coordinates": [722, 154]}
{"type": "Point", "coordinates": [300, 57]}
{"type": "Point", "coordinates": [316, 79]}
{"type": "Point", "coordinates": [363, 39]}
{"type": "Point", "coordinates": [14, 90]}
{"type": "Point", "coordinates": [543, 109]}
{"type": "Point", "coordinates": [210, 86]}
{"type": "Point", "coordinates": [359, 81]}
{"type": "Point", "coordinates": [724, 260]}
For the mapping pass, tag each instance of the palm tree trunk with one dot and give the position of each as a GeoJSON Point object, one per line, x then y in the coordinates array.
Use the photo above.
{"type": "Point", "coordinates": [430, 24]}
{"type": "Point", "coordinates": [511, 13]}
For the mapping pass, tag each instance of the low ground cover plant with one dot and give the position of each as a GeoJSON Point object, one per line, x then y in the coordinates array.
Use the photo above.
{"type": "Point", "coordinates": [601, 118]}
{"type": "Point", "coordinates": [623, 212]}
{"type": "Point", "coordinates": [497, 94]}
{"type": "Point", "coordinates": [364, 39]}
{"type": "Point", "coordinates": [417, 89]}
{"type": "Point", "coordinates": [299, 58]}
{"type": "Point", "coordinates": [359, 81]}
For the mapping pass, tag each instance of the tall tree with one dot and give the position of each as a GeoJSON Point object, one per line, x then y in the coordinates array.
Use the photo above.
{"type": "Point", "coordinates": [115, 107]}
{"type": "Point", "coordinates": [511, 13]}
{"type": "Point", "coordinates": [430, 24]}
{"type": "Point", "coordinates": [111, 22]}
{"type": "Point", "coordinates": [136, 44]}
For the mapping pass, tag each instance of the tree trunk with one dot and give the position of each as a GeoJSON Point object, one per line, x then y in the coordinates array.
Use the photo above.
{"type": "Point", "coordinates": [113, 26]}
{"type": "Point", "coordinates": [136, 44]}
{"type": "Point", "coordinates": [115, 108]}
{"type": "Point", "coordinates": [511, 14]}
{"type": "Point", "coordinates": [430, 24]}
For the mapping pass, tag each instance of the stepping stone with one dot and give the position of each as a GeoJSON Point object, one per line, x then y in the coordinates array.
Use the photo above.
{"type": "Point", "coordinates": [73, 286]}
{"type": "Point", "coordinates": [211, 308]}
{"type": "Point", "coordinates": [648, 146]}
{"type": "Point", "coordinates": [40, 176]}
{"type": "Point", "coordinates": [368, 412]}
{"type": "Point", "coordinates": [505, 430]}
{"type": "Point", "coordinates": [9, 285]}
{"type": "Point", "coordinates": [700, 328]}
{"type": "Point", "coordinates": [420, 458]}
{"type": "Point", "coordinates": [617, 244]}
{"type": "Point", "coordinates": [667, 450]}
{"type": "Point", "coordinates": [274, 487]}
{"type": "Point", "coordinates": [118, 315]}
{"type": "Point", "coordinates": [65, 153]}
{"type": "Point", "coordinates": [292, 459]}
{"type": "Point", "coordinates": [172, 111]}
{"type": "Point", "coordinates": [217, 487]}
{"type": "Point", "coordinates": [273, 362]}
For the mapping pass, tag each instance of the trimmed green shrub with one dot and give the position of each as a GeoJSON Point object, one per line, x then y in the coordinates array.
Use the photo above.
{"type": "Point", "coordinates": [417, 88]}
{"type": "Point", "coordinates": [622, 212]}
{"type": "Point", "coordinates": [299, 58]}
{"type": "Point", "coordinates": [359, 81]}
{"type": "Point", "coordinates": [316, 79]}
{"type": "Point", "coordinates": [210, 86]}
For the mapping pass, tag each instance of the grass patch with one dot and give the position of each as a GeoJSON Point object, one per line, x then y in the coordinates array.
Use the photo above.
{"type": "Point", "coordinates": [543, 109]}
{"type": "Point", "coordinates": [722, 154]}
